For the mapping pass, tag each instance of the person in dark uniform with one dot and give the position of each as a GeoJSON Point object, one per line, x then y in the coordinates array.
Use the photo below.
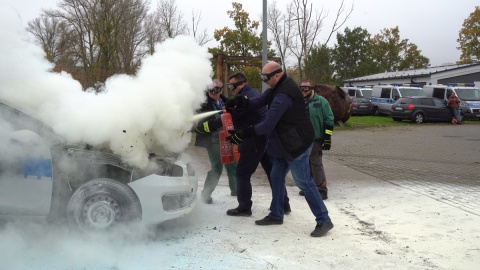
{"type": "Point", "coordinates": [290, 137]}
{"type": "Point", "coordinates": [252, 151]}
{"type": "Point", "coordinates": [214, 101]}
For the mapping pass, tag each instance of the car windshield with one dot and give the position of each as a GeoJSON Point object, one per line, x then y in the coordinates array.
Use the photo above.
{"type": "Point", "coordinates": [468, 94]}
{"type": "Point", "coordinates": [367, 93]}
{"type": "Point", "coordinates": [410, 92]}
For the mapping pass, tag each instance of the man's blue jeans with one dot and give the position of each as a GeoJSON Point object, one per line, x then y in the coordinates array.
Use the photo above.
{"type": "Point", "coordinates": [302, 176]}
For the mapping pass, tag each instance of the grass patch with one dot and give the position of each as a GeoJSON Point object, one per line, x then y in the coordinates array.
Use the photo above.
{"type": "Point", "coordinates": [358, 122]}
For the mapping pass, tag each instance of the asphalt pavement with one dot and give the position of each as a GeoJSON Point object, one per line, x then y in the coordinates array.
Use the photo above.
{"type": "Point", "coordinates": [413, 190]}
{"type": "Point", "coordinates": [439, 161]}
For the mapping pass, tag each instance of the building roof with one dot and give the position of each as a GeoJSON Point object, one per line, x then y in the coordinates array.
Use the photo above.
{"type": "Point", "coordinates": [411, 73]}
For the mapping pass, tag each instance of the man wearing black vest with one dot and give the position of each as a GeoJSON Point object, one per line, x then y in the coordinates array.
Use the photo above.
{"type": "Point", "coordinates": [252, 150]}
{"type": "Point", "coordinates": [290, 137]}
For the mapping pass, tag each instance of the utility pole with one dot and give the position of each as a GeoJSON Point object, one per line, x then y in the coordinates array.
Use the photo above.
{"type": "Point", "coordinates": [264, 40]}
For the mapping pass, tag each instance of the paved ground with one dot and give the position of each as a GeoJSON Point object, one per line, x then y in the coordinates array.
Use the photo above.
{"type": "Point", "coordinates": [440, 161]}
{"type": "Point", "coordinates": [397, 207]}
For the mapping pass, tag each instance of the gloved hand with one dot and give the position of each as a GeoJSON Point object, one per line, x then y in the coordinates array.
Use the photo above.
{"type": "Point", "coordinates": [327, 138]}
{"type": "Point", "coordinates": [238, 136]}
{"type": "Point", "coordinates": [205, 127]}
{"type": "Point", "coordinates": [237, 102]}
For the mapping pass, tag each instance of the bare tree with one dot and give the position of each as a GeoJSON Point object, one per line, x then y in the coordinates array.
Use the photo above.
{"type": "Point", "coordinates": [93, 39]}
{"type": "Point", "coordinates": [201, 38]}
{"type": "Point", "coordinates": [47, 33]}
{"type": "Point", "coordinates": [281, 26]}
{"type": "Point", "coordinates": [153, 32]}
{"type": "Point", "coordinates": [171, 19]}
{"type": "Point", "coordinates": [309, 23]}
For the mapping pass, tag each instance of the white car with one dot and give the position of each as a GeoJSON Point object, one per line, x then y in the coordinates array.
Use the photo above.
{"type": "Point", "coordinates": [41, 175]}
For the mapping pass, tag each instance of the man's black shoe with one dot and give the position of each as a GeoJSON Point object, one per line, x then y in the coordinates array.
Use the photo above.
{"type": "Point", "coordinates": [322, 228]}
{"type": "Point", "coordinates": [269, 221]}
{"type": "Point", "coordinates": [239, 213]}
{"type": "Point", "coordinates": [323, 193]}
{"type": "Point", "coordinates": [287, 209]}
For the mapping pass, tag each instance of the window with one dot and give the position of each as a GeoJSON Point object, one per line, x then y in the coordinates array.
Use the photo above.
{"type": "Point", "coordinates": [439, 103]}
{"type": "Point", "coordinates": [438, 93]}
{"type": "Point", "coordinates": [385, 93]}
{"type": "Point", "coordinates": [428, 102]}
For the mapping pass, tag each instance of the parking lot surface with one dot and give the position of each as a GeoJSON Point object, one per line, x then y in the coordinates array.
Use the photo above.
{"type": "Point", "coordinates": [440, 161]}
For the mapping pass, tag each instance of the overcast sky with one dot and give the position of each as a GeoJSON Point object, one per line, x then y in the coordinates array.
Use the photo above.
{"type": "Point", "coordinates": [432, 25]}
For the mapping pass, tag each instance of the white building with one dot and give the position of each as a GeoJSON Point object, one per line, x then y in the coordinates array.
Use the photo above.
{"type": "Point", "coordinates": [466, 73]}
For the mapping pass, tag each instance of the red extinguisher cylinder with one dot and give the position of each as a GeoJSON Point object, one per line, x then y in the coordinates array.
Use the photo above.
{"type": "Point", "coordinates": [226, 148]}
{"type": "Point", "coordinates": [227, 122]}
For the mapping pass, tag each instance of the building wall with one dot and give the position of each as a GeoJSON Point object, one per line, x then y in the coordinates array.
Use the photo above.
{"type": "Point", "coordinates": [465, 74]}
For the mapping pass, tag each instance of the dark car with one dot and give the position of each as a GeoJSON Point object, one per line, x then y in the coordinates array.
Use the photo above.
{"type": "Point", "coordinates": [43, 175]}
{"type": "Point", "coordinates": [361, 106]}
{"type": "Point", "coordinates": [421, 109]}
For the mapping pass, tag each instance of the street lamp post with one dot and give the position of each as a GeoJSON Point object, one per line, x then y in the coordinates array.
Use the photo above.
{"type": "Point", "coordinates": [264, 40]}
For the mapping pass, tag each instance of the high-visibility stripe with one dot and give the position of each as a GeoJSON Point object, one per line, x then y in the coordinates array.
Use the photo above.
{"type": "Point", "coordinates": [205, 126]}
{"type": "Point", "coordinates": [329, 132]}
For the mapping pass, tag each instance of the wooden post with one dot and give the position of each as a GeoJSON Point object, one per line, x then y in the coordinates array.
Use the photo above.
{"type": "Point", "coordinates": [220, 66]}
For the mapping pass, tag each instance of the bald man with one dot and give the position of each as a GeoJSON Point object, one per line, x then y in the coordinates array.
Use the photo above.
{"type": "Point", "coordinates": [290, 138]}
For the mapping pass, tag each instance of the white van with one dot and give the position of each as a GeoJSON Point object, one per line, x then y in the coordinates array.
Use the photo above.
{"type": "Point", "coordinates": [358, 91]}
{"type": "Point", "coordinates": [383, 96]}
{"type": "Point", "coordinates": [467, 92]}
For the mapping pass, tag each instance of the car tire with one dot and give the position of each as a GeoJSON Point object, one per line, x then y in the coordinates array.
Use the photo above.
{"type": "Point", "coordinates": [418, 118]}
{"type": "Point", "coordinates": [375, 111]}
{"type": "Point", "coordinates": [101, 204]}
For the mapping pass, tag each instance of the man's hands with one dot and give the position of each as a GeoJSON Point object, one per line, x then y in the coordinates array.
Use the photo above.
{"type": "Point", "coordinates": [327, 138]}
{"type": "Point", "coordinates": [238, 136]}
{"type": "Point", "coordinates": [205, 127]}
{"type": "Point", "coordinates": [237, 102]}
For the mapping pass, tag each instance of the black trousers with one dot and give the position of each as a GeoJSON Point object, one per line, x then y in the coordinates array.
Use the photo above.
{"type": "Point", "coordinates": [251, 155]}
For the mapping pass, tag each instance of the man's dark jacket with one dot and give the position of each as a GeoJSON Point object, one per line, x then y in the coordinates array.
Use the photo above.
{"type": "Point", "coordinates": [294, 130]}
{"type": "Point", "coordinates": [205, 140]}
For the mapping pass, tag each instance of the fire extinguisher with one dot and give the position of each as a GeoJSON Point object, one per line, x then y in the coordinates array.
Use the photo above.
{"type": "Point", "coordinates": [226, 147]}
{"type": "Point", "coordinates": [227, 121]}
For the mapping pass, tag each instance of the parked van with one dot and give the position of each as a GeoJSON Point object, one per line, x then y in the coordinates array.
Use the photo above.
{"type": "Point", "coordinates": [467, 92]}
{"type": "Point", "coordinates": [358, 91]}
{"type": "Point", "coordinates": [383, 96]}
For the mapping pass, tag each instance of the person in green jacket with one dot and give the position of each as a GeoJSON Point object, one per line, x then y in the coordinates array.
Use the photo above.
{"type": "Point", "coordinates": [321, 116]}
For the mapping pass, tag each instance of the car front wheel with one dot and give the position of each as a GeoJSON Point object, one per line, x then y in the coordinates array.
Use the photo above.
{"type": "Point", "coordinates": [103, 203]}
{"type": "Point", "coordinates": [418, 118]}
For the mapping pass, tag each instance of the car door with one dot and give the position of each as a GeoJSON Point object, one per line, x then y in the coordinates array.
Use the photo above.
{"type": "Point", "coordinates": [25, 165]}
{"type": "Point", "coordinates": [429, 108]}
{"type": "Point", "coordinates": [444, 113]}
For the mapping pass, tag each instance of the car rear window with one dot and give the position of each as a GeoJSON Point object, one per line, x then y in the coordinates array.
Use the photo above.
{"type": "Point", "coordinates": [361, 100]}
{"type": "Point", "coordinates": [404, 100]}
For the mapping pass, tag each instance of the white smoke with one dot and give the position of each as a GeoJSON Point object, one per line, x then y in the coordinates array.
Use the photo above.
{"type": "Point", "coordinates": [136, 115]}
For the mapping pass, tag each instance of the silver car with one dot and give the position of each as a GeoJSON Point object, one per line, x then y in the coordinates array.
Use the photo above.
{"type": "Point", "coordinates": [42, 175]}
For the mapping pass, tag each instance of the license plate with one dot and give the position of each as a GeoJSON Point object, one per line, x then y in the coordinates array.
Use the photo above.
{"type": "Point", "coordinates": [362, 106]}
{"type": "Point", "coordinates": [398, 109]}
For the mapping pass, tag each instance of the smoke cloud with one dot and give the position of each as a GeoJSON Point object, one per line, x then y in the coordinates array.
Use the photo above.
{"type": "Point", "coordinates": [137, 115]}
